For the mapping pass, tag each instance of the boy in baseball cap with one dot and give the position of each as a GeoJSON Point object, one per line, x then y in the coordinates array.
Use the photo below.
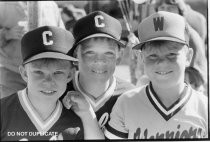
{"type": "Point", "coordinates": [197, 30]}
{"type": "Point", "coordinates": [97, 46]}
{"type": "Point", "coordinates": [167, 107]}
{"type": "Point", "coordinates": [36, 111]}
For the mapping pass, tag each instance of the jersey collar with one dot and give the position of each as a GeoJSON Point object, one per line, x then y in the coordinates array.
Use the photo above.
{"type": "Point", "coordinates": [96, 104]}
{"type": "Point", "coordinates": [41, 125]}
{"type": "Point", "coordinates": [169, 112]}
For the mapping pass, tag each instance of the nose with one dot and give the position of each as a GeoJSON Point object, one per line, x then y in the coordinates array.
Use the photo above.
{"type": "Point", "coordinates": [161, 61]}
{"type": "Point", "coordinates": [100, 59]}
{"type": "Point", "coordinates": [49, 81]}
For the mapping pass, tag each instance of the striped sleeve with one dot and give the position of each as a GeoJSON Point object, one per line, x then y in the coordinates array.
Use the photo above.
{"type": "Point", "coordinates": [116, 128]}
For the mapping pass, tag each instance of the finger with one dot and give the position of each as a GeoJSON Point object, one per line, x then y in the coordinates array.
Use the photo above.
{"type": "Point", "coordinates": [73, 95]}
{"type": "Point", "coordinates": [74, 98]}
{"type": "Point", "coordinates": [66, 102]}
{"type": "Point", "coordinates": [74, 106]}
{"type": "Point", "coordinates": [70, 93]}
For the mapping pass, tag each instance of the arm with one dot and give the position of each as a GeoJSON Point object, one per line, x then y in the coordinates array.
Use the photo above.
{"type": "Point", "coordinates": [91, 127]}
{"type": "Point", "coordinates": [116, 128]}
{"type": "Point", "coordinates": [83, 109]}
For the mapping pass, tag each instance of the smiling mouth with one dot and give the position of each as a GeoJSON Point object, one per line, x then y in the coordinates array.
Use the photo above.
{"type": "Point", "coordinates": [163, 73]}
{"type": "Point", "coordinates": [47, 92]}
{"type": "Point", "coordinates": [99, 72]}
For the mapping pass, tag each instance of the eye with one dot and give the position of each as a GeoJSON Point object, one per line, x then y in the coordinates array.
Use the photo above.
{"type": "Point", "coordinates": [110, 54]}
{"type": "Point", "coordinates": [58, 72]}
{"type": "Point", "coordinates": [152, 57]}
{"type": "Point", "coordinates": [38, 72]}
{"type": "Point", "coordinates": [88, 53]}
{"type": "Point", "coordinates": [172, 55]}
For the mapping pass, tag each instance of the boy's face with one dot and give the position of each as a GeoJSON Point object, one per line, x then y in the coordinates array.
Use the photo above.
{"type": "Point", "coordinates": [97, 58]}
{"type": "Point", "coordinates": [165, 64]}
{"type": "Point", "coordinates": [47, 80]}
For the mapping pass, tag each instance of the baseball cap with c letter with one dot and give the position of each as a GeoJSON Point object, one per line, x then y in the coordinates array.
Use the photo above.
{"type": "Point", "coordinates": [96, 24]}
{"type": "Point", "coordinates": [47, 42]}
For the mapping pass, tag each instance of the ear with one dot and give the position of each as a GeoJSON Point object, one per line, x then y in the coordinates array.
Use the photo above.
{"type": "Point", "coordinates": [23, 73]}
{"type": "Point", "coordinates": [71, 74]}
{"type": "Point", "coordinates": [119, 52]}
{"type": "Point", "coordinates": [189, 56]}
{"type": "Point", "coordinates": [140, 57]}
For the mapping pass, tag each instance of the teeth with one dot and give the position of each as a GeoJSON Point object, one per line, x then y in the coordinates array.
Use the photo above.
{"type": "Point", "coordinates": [162, 73]}
{"type": "Point", "coordinates": [48, 91]}
{"type": "Point", "coordinates": [99, 71]}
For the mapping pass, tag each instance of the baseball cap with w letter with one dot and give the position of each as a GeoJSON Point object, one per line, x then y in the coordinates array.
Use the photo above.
{"type": "Point", "coordinates": [47, 42]}
{"type": "Point", "coordinates": [163, 25]}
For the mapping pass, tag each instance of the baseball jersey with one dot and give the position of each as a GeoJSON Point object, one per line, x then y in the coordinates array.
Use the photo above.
{"type": "Point", "coordinates": [20, 121]}
{"type": "Point", "coordinates": [139, 114]}
{"type": "Point", "coordinates": [104, 104]}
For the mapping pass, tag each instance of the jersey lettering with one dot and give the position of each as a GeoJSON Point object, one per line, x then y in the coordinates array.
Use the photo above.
{"type": "Point", "coordinates": [158, 23]}
{"type": "Point", "coordinates": [169, 134]}
{"type": "Point", "coordinates": [99, 21]}
{"type": "Point", "coordinates": [45, 36]}
{"type": "Point", "coordinates": [103, 120]}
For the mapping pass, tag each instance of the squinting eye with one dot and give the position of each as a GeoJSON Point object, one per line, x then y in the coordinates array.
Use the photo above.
{"type": "Point", "coordinates": [58, 72]}
{"type": "Point", "coordinates": [152, 57]}
{"type": "Point", "coordinates": [110, 54]}
{"type": "Point", "coordinates": [172, 55]}
{"type": "Point", "coordinates": [88, 53]}
{"type": "Point", "coordinates": [38, 72]}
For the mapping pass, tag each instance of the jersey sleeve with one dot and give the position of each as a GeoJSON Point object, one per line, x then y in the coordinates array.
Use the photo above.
{"type": "Point", "coordinates": [116, 128]}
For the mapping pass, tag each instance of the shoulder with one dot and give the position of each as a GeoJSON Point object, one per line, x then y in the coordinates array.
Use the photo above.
{"type": "Point", "coordinates": [199, 97]}
{"type": "Point", "coordinates": [198, 103]}
{"type": "Point", "coordinates": [135, 94]}
{"type": "Point", "coordinates": [9, 100]}
{"type": "Point", "coordinates": [123, 86]}
{"type": "Point", "coordinates": [9, 105]}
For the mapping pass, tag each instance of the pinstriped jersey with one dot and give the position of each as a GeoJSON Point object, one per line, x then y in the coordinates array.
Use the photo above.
{"type": "Point", "coordinates": [104, 104]}
{"type": "Point", "coordinates": [139, 114]}
{"type": "Point", "coordinates": [20, 121]}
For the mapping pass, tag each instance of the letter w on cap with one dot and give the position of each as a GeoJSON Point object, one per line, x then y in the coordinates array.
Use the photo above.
{"type": "Point", "coordinates": [158, 23]}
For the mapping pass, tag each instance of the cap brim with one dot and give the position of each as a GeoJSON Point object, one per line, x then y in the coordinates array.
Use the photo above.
{"type": "Point", "coordinates": [71, 52]}
{"type": "Point", "coordinates": [54, 55]}
{"type": "Point", "coordinates": [139, 46]}
{"type": "Point", "coordinates": [101, 35]}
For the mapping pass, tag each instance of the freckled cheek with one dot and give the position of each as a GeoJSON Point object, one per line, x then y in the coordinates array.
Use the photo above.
{"type": "Point", "coordinates": [152, 65]}
{"type": "Point", "coordinates": [92, 60]}
{"type": "Point", "coordinates": [158, 61]}
{"type": "Point", "coordinates": [57, 79]}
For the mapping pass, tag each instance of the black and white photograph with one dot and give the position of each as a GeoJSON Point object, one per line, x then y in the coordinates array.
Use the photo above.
{"type": "Point", "coordinates": [125, 70]}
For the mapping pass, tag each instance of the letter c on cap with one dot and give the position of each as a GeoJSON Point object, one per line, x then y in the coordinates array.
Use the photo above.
{"type": "Point", "coordinates": [45, 36]}
{"type": "Point", "coordinates": [98, 21]}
